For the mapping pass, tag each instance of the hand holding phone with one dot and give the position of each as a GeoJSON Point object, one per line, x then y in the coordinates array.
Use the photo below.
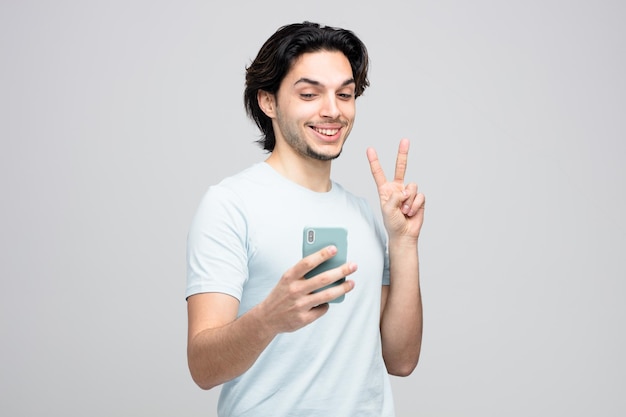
{"type": "Point", "coordinates": [317, 238]}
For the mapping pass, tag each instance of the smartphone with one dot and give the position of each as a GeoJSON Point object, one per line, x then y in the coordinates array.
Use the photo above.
{"type": "Point", "coordinates": [316, 238]}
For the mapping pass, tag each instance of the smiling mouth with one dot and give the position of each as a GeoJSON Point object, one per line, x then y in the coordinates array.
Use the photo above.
{"type": "Point", "coordinates": [326, 132]}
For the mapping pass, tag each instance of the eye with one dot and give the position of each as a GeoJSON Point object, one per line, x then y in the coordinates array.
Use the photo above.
{"type": "Point", "coordinates": [307, 96]}
{"type": "Point", "coordinates": [345, 96]}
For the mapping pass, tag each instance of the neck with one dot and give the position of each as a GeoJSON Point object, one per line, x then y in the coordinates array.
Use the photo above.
{"type": "Point", "coordinates": [305, 171]}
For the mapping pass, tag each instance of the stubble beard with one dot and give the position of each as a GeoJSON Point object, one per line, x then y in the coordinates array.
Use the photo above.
{"type": "Point", "coordinates": [321, 157]}
{"type": "Point", "coordinates": [303, 148]}
{"type": "Point", "coordinates": [296, 141]}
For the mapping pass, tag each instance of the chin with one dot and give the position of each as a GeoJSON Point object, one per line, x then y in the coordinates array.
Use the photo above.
{"type": "Point", "coordinates": [321, 156]}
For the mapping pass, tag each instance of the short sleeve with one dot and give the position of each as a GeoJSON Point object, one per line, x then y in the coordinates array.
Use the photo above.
{"type": "Point", "coordinates": [217, 245]}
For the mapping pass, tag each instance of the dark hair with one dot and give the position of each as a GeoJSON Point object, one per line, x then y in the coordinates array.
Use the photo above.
{"type": "Point", "coordinates": [277, 55]}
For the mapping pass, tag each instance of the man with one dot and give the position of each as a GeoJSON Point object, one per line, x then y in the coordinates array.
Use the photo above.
{"type": "Point", "coordinates": [256, 324]}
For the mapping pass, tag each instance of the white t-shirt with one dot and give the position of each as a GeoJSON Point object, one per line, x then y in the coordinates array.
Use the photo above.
{"type": "Point", "coordinates": [246, 233]}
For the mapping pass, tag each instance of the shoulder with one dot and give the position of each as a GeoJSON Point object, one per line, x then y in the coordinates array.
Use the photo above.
{"type": "Point", "coordinates": [246, 178]}
{"type": "Point", "coordinates": [237, 186]}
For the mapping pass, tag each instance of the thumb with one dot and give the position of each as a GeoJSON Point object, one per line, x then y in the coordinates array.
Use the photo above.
{"type": "Point", "coordinates": [396, 198]}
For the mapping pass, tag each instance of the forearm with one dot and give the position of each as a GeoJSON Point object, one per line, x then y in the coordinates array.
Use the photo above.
{"type": "Point", "coordinates": [217, 355]}
{"type": "Point", "coordinates": [401, 318]}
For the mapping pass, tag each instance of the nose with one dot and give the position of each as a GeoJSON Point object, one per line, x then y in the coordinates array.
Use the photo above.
{"type": "Point", "coordinates": [330, 109]}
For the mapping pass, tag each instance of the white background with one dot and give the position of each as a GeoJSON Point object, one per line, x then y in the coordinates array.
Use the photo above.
{"type": "Point", "coordinates": [115, 116]}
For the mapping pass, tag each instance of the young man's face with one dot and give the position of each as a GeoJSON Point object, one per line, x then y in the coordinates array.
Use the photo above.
{"type": "Point", "coordinates": [315, 105]}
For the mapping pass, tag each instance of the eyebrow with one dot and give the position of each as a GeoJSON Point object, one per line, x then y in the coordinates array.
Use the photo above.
{"type": "Point", "coordinates": [317, 83]}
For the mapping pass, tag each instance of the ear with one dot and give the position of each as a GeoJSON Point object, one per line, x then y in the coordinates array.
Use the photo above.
{"type": "Point", "coordinates": [267, 103]}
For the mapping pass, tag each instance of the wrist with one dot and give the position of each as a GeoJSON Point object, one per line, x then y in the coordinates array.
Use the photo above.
{"type": "Point", "coordinates": [260, 322]}
{"type": "Point", "coordinates": [403, 242]}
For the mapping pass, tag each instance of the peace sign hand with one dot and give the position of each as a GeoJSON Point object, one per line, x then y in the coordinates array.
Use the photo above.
{"type": "Point", "coordinates": [402, 206]}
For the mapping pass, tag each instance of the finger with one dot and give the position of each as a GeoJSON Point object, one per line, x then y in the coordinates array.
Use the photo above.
{"type": "Point", "coordinates": [377, 170]}
{"type": "Point", "coordinates": [418, 205]}
{"type": "Point", "coordinates": [319, 310]}
{"type": "Point", "coordinates": [401, 160]}
{"type": "Point", "coordinates": [395, 200]}
{"type": "Point", "coordinates": [410, 191]}
{"type": "Point", "coordinates": [321, 289]}
{"type": "Point", "coordinates": [331, 293]}
{"type": "Point", "coordinates": [315, 312]}
{"type": "Point", "coordinates": [414, 200]}
{"type": "Point", "coordinates": [331, 276]}
{"type": "Point", "coordinates": [307, 263]}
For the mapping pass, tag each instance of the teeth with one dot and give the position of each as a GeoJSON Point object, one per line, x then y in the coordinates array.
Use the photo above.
{"type": "Point", "coordinates": [327, 132]}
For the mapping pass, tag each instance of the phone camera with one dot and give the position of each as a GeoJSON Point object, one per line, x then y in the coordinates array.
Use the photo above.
{"type": "Point", "coordinates": [310, 236]}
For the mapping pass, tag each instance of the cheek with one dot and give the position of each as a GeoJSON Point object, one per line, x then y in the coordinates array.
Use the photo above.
{"type": "Point", "coordinates": [297, 109]}
{"type": "Point", "coordinates": [348, 110]}
{"type": "Point", "coordinates": [348, 130]}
